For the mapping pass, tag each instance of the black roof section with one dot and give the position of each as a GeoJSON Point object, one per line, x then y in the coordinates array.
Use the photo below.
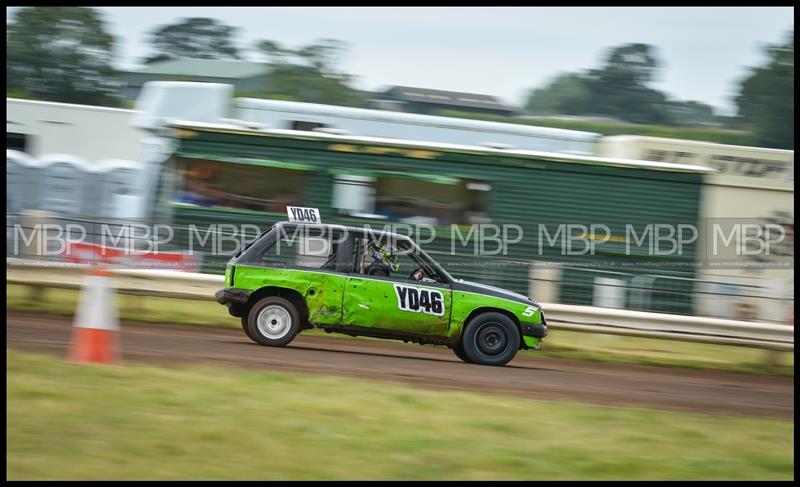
{"type": "Point", "coordinates": [443, 97]}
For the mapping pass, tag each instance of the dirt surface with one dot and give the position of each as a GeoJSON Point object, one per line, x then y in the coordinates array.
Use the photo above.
{"type": "Point", "coordinates": [432, 367]}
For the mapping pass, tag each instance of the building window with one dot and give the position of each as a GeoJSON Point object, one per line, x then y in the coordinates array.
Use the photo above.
{"type": "Point", "coordinates": [268, 186]}
{"type": "Point", "coordinates": [415, 199]}
{"type": "Point", "coordinates": [16, 141]}
{"type": "Point", "coordinates": [305, 125]}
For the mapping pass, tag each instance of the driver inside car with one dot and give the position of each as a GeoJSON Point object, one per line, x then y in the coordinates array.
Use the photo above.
{"type": "Point", "coordinates": [384, 261]}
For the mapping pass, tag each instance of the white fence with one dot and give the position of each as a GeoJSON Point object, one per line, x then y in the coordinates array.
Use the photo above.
{"type": "Point", "coordinates": [185, 285]}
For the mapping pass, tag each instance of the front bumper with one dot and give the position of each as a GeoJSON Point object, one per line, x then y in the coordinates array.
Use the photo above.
{"type": "Point", "coordinates": [532, 334]}
{"type": "Point", "coordinates": [232, 295]}
{"type": "Point", "coordinates": [534, 330]}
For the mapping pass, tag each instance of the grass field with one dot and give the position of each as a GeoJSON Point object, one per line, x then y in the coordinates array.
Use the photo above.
{"type": "Point", "coordinates": [559, 343]}
{"type": "Point", "coordinates": [69, 421]}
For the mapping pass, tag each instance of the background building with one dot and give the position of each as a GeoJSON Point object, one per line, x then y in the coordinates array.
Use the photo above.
{"type": "Point", "coordinates": [424, 100]}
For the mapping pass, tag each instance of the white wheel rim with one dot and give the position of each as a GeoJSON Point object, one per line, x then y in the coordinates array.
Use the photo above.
{"type": "Point", "coordinates": [274, 322]}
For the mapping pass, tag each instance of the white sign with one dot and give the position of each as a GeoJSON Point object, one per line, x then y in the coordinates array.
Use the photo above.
{"type": "Point", "coordinates": [419, 300]}
{"type": "Point", "coordinates": [303, 215]}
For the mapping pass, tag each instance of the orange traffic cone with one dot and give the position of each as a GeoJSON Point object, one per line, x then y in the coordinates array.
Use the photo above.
{"type": "Point", "coordinates": [94, 334]}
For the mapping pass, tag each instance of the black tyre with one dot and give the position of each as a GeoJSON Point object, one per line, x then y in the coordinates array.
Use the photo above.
{"type": "Point", "coordinates": [244, 320]}
{"type": "Point", "coordinates": [273, 321]}
{"type": "Point", "coordinates": [490, 339]}
{"type": "Point", "coordinates": [459, 351]}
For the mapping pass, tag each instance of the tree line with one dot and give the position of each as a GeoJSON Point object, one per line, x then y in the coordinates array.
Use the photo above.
{"type": "Point", "coordinates": [66, 54]}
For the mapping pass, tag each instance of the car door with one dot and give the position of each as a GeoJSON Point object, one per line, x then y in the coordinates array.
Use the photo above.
{"type": "Point", "coordinates": [396, 302]}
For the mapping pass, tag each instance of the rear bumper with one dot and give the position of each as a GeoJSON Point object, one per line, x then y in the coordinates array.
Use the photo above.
{"type": "Point", "coordinates": [232, 295]}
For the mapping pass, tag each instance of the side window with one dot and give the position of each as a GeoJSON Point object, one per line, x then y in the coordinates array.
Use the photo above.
{"type": "Point", "coordinates": [303, 247]}
{"type": "Point", "coordinates": [394, 260]}
{"type": "Point", "coordinates": [406, 265]}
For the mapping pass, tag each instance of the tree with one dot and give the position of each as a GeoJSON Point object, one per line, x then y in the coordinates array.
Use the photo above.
{"type": "Point", "coordinates": [196, 37]}
{"type": "Point", "coordinates": [566, 94]}
{"type": "Point", "coordinates": [620, 88]}
{"type": "Point", "coordinates": [692, 113]}
{"type": "Point", "coordinates": [765, 98]}
{"type": "Point", "coordinates": [309, 73]}
{"type": "Point", "coordinates": [634, 61]}
{"type": "Point", "coordinates": [61, 54]}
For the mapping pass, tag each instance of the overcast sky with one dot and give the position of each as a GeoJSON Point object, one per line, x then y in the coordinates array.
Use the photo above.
{"type": "Point", "coordinates": [496, 51]}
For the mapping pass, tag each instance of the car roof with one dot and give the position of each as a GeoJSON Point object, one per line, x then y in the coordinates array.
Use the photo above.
{"type": "Point", "coordinates": [357, 230]}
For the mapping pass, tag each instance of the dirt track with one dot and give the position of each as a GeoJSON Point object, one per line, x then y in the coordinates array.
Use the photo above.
{"type": "Point", "coordinates": [433, 367]}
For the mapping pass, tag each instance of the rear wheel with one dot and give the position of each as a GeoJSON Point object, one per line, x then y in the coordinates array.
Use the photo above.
{"type": "Point", "coordinates": [244, 320]}
{"type": "Point", "coordinates": [273, 321]}
{"type": "Point", "coordinates": [490, 339]}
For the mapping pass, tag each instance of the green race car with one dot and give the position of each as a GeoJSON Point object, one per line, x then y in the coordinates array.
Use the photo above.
{"type": "Point", "coordinates": [298, 276]}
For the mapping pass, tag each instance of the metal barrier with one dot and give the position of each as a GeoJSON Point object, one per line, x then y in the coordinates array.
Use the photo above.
{"type": "Point", "coordinates": [146, 282]}
{"type": "Point", "coordinates": [733, 297]}
{"type": "Point", "coordinates": [185, 285]}
{"type": "Point", "coordinates": [768, 336]}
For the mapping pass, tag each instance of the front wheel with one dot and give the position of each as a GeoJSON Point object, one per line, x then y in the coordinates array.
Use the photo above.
{"type": "Point", "coordinates": [273, 321]}
{"type": "Point", "coordinates": [458, 349]}
{"type": "Point", "coordinates": [490, 339]}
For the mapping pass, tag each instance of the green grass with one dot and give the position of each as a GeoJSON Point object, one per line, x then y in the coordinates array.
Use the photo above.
{"type": "Point", "coordinates": [69, 421]}
{"type": "Point", "coordinates": [646, 351]}
{"type": "Point", "coordinates": [560, 344]}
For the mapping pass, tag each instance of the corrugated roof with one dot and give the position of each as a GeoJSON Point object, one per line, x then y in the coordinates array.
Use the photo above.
{"type": "Point", "coordinates": [216, 68]}
{"type": "Point", "coordinates": [473, 149]}
{"type": "Point", "coordinates": [454, 98]}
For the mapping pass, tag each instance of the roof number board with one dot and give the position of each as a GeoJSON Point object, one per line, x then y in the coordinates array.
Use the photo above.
{"type": "Point", "coordinates": [303, 215]}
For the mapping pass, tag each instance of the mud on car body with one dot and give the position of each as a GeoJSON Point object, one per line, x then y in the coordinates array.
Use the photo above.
{"type": "Point", "coordinates": [355, 281]}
